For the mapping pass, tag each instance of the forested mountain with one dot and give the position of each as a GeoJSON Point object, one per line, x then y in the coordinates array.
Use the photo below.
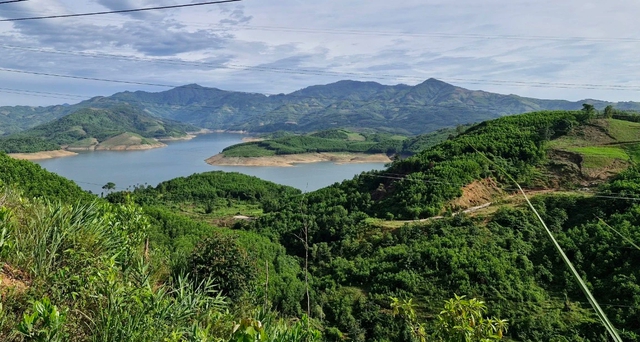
{"type": "Point", "coordinates": [402, 109]}
{"type": "Point", "coordinates": [92, 128]}
{"type": "Point", "coordinates": [226, 257]}
{"type": "Point", "coordinates": [18, 118]}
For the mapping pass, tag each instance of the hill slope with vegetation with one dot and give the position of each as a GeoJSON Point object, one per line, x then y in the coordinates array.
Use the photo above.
{"type": "Point", "coordinates": [94, 129]}
{"type": "Point", "coordinates": [335, 264]}
{"type": "Point", "coordinates": [398, 109]}
{"type": "Point", "coordinates": [503, 256]}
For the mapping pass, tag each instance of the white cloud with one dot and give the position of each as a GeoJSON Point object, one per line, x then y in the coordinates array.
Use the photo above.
{"type": "Point", "coordinates": [329, 40]}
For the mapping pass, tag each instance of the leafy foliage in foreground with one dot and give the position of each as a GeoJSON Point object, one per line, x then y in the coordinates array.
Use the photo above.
{"type": "Point", "coordinates": [59, 259]}
{"type": "Point", "coordinates": [461, 320]}
{"type": "Point", "coordinates": [67, 253]}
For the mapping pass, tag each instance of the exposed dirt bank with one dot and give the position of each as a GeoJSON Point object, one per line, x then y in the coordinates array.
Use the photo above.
{"type": "Point", "coordinates": [186, 137]}
{"type": "Point", "coordinates": [42, 155]}
{"type": "Point", "coordinates": [189, 136]}
{"type": "Point", "coordinates": [100, 147]}
{"type": "Point", "coordinates": [252, 139]}
{"type": "Point", "coordinates": [477, 193]}
{"type": "Point", "coordinates": [130, 147]}
{"type": "Point", "coordinates": [292, 159]}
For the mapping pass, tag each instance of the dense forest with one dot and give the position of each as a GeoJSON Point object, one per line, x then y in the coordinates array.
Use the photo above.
{"type": "Point", "coordinates": [226, 257]}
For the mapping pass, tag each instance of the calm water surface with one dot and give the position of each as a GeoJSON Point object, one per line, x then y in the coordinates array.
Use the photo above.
{"type": "Point", "coordinates": [91, 170]}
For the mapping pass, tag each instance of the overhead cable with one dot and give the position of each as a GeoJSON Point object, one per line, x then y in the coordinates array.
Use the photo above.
{"type": "Point", "coordinates": [87, 78]}
{"type": "Point", "coordinates": [119, 11]}
{"type": "Point", "coordinates": [10, 1]}
{"type": "Point", "coordinates": [533, 84]}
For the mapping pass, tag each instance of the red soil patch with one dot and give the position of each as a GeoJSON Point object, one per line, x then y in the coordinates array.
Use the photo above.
{"type": "Point", "coordinates": [477, 193]}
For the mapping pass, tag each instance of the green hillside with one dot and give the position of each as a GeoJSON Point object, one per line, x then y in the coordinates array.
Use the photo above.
{"type": "Point", "coordinates": [540, 149]}
{"type": "Point", "coordinates": [347, 262]}
{"type": "Point", "coordinates": [19, 118]}
{"type": "Point", "coordinates": [502, 256]}
{"type": "Point", "coordinates": [34, 181]}
{"type": "Point", "coordinates": [95, 128]}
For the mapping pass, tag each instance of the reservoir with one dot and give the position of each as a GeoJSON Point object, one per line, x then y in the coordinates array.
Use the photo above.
{"type": "Point", "coordinates": [92, 170]}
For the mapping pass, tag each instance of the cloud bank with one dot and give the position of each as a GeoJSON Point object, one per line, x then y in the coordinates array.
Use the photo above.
{"type": "Point", "coordinates": [522, 47]}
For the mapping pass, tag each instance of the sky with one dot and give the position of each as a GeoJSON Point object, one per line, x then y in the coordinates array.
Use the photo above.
{"type": "Point", "coordinates": [570, 49]}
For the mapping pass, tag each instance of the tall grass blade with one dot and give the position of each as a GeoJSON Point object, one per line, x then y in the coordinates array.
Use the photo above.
{"type": "Point", "coordinates": [603, 317]}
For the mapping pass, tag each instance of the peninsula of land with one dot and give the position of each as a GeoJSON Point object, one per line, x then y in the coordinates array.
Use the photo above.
{"type": "Point", "coordinates": [302, 158]}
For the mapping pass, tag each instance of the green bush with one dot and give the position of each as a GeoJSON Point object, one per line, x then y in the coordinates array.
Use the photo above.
{"type": "Point", "coordinates": [220, 258]}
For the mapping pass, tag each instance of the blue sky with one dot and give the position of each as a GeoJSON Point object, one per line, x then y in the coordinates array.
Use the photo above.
{"type": "Point", "coordinates": [547, 49]}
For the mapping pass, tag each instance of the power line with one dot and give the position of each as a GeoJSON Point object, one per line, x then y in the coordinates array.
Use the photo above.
{"type": "Point", "coordinates": [119, 11]}
{"type": "Point", "coordinates": [87, 78]}
{"type": "Point", "coordinates": [29, 93]}
{"type": "Point", "coordinates": [386, 33]}
{"type": "Point", "coordinates": [406, 34]}
{"type": "Point", "coordinates": [395, 176]}
{"type": "Point", "coordinates": [42, 93]}
{"type": "Point", "coordinates": [313, 72]}
{"type": "Point", "coordinates": [10, 1]}
{"type": "Point", "coordinates": [432, 34]}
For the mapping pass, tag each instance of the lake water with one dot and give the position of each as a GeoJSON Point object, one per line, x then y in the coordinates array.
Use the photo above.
{"type": "Point", "coordinates": [91, 170]}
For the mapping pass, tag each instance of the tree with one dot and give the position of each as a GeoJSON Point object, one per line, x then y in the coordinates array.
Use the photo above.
{"type": "Point", "coordinates": [608, 111]}
{"type": "Point", "coordinates": [220, 258]}
{"type": "Point", "coordinates": [109, 186]}
{"type": "Point", "coordinates": [588, 112]}
{"type": "Point", "coordinates": [461, 321]}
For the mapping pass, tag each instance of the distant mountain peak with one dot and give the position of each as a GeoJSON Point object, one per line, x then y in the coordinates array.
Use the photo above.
{"type": "Point", "coordinates": [435, 82]}
{"type": "Point", "coordinates": [191, 86]}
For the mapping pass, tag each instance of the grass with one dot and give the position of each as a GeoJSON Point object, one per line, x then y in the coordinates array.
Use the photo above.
{"type": "Point", "coordinates": [399, 137]}
{"type": "Point", "coordinates": [614, 152]}
{"type": "Point", "coordinates": [601, 155]}
{"type": "Point", "coordinates": [568, 142]}
{"type": "Point", "coordinates": [624, 130]}
{"type": "Point", "coordinates": [353, 136]}
{"type": "Point", "coordinates": [595, 157]}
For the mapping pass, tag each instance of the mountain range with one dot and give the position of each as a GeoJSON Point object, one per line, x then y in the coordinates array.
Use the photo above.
{"type": "Point", "coordinates": [402, 109]}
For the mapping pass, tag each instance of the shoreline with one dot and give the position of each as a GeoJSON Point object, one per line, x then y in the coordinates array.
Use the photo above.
{"type": "Point", "coordinates": [184, 138]}
{"type": "Point", "coordinates": [73, 151]}
{"type": "Point", "coordinates": [42, 155]}
{"type": "Point", "coordinates": [303, 158]}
